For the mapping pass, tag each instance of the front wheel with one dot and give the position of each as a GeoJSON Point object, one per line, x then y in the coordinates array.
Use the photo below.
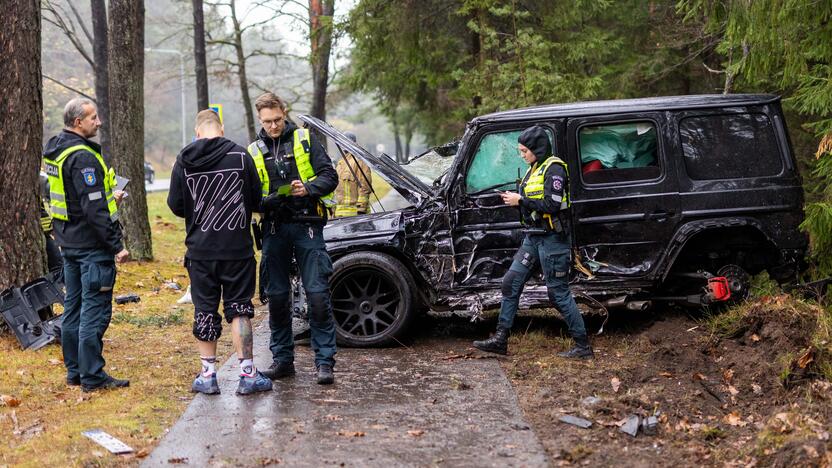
{"type": "Point", "coordinates": [372, 299]}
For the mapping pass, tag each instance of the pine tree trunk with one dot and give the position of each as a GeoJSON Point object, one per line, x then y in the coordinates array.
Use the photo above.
{"type": "Point", "coordinates": [241, 68]}
{"type": "Point", "coordinates": [320, 35]}
{"type": "Point", "coordinates": [22, 256]}
{"type": "Point", "coordinates": [126, 55]}
{"type": "Point", "coordinates": [98, 9]}
{"type": "Point", "coordinates": [200, 66]}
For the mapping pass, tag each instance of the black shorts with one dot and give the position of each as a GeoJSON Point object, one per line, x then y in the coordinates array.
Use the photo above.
{"type": "Point", "coordinates": [231, 280]}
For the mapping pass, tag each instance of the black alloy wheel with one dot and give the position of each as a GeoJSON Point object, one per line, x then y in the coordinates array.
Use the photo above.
{"type": "Point", "coordinates": [372, 299]}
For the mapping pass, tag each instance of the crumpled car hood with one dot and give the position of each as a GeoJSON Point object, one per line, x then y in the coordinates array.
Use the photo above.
{"type": "Point", "coordinates": [411, 188]}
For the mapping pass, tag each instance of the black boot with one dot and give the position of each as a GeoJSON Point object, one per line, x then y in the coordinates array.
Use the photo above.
{"type": "Point", "coordinates": [582, 349]}
{"type": "Point", "coordinates": [498, 343]}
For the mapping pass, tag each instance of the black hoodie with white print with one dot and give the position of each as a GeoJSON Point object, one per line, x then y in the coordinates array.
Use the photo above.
{"type": "Point", "coordinates": [215, 187]}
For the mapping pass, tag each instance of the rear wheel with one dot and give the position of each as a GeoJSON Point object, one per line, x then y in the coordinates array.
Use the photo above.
{"type": "Point", "coordinates": [739, 282]}
{"type": "Point", "coordinates": [372, 299]}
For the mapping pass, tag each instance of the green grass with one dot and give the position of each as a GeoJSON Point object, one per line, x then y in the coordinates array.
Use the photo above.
{"type": "Point", "coordinates": [149, 342]}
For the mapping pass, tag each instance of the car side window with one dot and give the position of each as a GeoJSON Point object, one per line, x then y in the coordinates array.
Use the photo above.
{"type": "Point", "coordinates": [618, 152]}
{"type": "Point", "coordinates": [730, 146]}
{"type": "Point", "coordinates": [497, 162]}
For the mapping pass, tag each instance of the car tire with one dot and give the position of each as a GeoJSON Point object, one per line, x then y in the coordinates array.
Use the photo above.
{"type": "Point", "coordinates": [373, 301]}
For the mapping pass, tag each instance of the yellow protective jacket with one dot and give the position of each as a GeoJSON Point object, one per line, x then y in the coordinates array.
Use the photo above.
{"type": "Point", "coordinates": [352, 196]}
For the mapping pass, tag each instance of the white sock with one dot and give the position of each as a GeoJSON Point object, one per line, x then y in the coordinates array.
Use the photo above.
{"type": "Point", "coordinates": [247, 367]}
{"type": "Point", "coordinates": [208, 365]}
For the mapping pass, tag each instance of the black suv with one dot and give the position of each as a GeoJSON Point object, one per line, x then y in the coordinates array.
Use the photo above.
{"type": "Point", "coordinates": [667, 194]}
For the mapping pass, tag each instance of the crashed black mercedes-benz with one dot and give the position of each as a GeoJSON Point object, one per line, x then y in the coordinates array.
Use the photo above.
{"type": "Point", "coordinates": [674, 200]}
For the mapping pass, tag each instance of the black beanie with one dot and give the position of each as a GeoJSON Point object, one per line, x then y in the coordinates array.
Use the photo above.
{"type": "Point", "coordinates": [537, 141]}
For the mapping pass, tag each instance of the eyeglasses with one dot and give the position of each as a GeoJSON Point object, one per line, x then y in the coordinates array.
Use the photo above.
{"type": "Point", "coordinates": [275, 122]}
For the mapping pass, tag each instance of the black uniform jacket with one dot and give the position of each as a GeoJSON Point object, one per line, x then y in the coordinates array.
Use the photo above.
{"type": "Point", "coordinates": [89, 225]}
{"type": "Point", "coordinates": [326, 178]}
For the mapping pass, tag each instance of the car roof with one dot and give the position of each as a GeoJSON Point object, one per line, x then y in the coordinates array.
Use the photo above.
{"type": "Point", "coordinates": [576, 109]}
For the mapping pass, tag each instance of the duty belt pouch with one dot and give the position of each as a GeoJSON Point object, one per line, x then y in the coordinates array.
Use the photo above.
{"type": "Point", "coordinates": [527, 259]}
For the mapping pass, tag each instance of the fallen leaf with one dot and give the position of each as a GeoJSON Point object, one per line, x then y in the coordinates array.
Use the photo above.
{"type": "Point", "coordinates": [416, 433]}
{"type": "Point", "coordinates": [728, 375]}
{"type": "Point", "coordinates": [733, 390]}
{"type": "Point", "coordinates": [9, 401]}
{"type": "Point", "coordinates": [55, 362]}
{"type": "Point", "coordinates": [142, 453]}
{"type": "Point", "coordinates": [699, 376]}
{"type": "Point", "coordinates": [807, 357]}
{"type": "Point", "coordinates": [734, 419]}
{"type": "Point", "coordinates": [666, 374]}
{"type": "Point", "coordinates": [616, 384]}
{"type": "Point", "coordinates": [755, 337]}
{"type": "Point", "coordinates": [756, 389]}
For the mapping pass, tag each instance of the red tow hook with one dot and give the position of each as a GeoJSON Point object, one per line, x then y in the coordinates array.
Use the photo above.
{"type": "Point", "coordinates": [718, 288]}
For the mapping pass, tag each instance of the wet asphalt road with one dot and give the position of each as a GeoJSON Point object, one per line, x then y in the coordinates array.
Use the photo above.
{"type": "Point", "coordinates": [407, 406]}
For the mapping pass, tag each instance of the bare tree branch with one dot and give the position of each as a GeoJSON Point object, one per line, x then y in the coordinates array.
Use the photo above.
{"type": "Point", "coordinates": [80, 21]}
{"type": "Point", "coordinates": [59, 83]}
{"type": "Point", "coordinates": [68, 29]}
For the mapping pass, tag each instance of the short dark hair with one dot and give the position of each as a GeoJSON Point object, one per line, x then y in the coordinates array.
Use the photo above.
{"type": "Point", "coordinates": [269, 100]}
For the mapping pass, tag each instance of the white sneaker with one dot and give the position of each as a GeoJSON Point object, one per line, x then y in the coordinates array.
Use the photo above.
{"type": "Point", "coordinates": [186, 299]}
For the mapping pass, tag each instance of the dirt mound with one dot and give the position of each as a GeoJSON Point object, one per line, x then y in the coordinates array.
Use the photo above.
{"type": "Point", "coordinates": [778, 336]}
{"type": "Point", "coordinates": [748, 386]}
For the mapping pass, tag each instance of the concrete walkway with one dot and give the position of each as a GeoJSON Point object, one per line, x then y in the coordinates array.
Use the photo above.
{"type": "Point", "coordinates": [415, 406]}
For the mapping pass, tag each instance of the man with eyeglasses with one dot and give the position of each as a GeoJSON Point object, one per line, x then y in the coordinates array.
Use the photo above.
{"type": "Point", "coordinates": [297, 180]}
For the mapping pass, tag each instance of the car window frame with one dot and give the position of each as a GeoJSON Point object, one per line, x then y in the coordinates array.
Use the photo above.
{"type": "Point", "coordinates": [661, 154]}
{"type": "Point", "coordinates": [474, 145]}
{"type": "Point", "coordinates": [784, 163]}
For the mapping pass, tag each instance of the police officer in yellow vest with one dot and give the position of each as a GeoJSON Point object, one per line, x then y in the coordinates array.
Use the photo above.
{"type": "Point", "coordinates": [84, 210]}
{"type": "Point", "coordinates": [297, 181]}
{"type": "Point", "coordinates": [543, 200]}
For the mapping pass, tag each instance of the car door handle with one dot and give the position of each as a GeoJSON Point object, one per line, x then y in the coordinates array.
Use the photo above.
{"type": "Point", "coordinates": [658, 215]}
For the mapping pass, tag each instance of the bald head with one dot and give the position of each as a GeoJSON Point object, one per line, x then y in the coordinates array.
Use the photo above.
{"type": "Point", "coordinates": [208, 124]}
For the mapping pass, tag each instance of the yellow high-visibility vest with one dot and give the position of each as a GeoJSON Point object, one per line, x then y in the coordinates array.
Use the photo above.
{"type": "Point", "coordinates": [301, 154]}
{"type": "Point", "coordinates": [57, 191]}
{"type": "Point", "coordinates": [534, 187]}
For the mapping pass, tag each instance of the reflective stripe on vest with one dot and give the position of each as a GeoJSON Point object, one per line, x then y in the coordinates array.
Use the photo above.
{"type": "Point", "coordinates": [57, 191]}
{"type": "Point", "coordinates": [302, 161]}
{"type": "Point", "coordinates": [534, 187]}
{"type": "Point", "coordinates": [260, 165]}
{"type": "Point", "coordinates": [46, 219]}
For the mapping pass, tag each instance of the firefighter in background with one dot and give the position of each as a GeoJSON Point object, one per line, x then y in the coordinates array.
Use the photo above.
{"type": "Point", "coordinates": [543, 201]}
{"type": "Point", "coordinates": [352, 197]}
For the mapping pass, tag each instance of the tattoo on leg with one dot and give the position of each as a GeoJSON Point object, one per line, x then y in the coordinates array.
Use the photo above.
{"type": "Point", "coordinates": [246, 338]}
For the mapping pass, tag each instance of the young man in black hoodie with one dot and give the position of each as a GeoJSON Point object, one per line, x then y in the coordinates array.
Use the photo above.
{"type": "Point", "coordinates": [543, 201]}
{"type": "Point", "coordinates": [214, 186]}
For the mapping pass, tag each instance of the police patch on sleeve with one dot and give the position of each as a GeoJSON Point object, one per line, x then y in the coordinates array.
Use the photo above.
{"type": "Point", "coordinates": [89, 175]}
{"type": "Point", "coordinates": [557, 183]}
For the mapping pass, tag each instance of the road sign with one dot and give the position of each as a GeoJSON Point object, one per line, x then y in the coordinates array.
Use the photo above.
{"type": "Point", "coordinates": [216, 108]}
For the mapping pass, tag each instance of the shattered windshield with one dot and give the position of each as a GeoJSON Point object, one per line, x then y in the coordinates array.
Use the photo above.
{"type": "Point", "coordinates": [431, 165]}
